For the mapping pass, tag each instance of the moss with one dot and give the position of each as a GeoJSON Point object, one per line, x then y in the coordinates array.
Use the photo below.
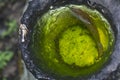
{"type": "Point", "coordinates": [63, 46]}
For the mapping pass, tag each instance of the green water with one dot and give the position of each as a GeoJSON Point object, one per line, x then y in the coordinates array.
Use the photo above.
{"type": "Point", "coordinates": [62, 45]}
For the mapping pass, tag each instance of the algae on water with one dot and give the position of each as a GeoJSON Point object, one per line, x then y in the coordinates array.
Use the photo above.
{"type": "Point", "coordinates": [62, 45]}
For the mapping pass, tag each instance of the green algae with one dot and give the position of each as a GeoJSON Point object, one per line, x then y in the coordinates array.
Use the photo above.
{"type": "Point", "coordinates": [63, 46]}
{"type": "Point", "coordinates": [77, 47]}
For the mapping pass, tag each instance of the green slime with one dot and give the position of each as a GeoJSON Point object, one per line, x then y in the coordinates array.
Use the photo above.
{"type": "Point", "coordinates": [62, 45]}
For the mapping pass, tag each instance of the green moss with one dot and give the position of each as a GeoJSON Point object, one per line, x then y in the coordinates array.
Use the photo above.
{"type": "Point", "coordinates": [62, 45]}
